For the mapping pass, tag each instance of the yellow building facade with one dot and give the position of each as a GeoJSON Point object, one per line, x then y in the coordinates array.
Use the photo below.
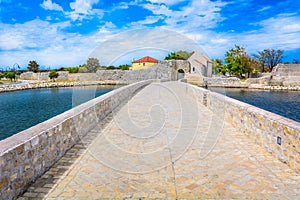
{"type": "Point", "coordinates": [144, 63]}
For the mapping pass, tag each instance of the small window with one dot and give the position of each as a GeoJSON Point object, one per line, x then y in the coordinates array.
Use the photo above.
{"type": "Point", "coordinates": [193, 69]}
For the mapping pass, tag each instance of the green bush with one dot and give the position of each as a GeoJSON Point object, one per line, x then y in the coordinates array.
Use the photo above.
{"type": "Point", "coordinates": [53, 75]}
{"type": "Point", "coordinates": [124, 67]}
{"type": "Point", "coordinates": [10, 75]}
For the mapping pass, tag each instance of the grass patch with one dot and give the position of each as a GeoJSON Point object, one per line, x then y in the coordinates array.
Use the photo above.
{"type": "Point", "coordinates": [5, 81]}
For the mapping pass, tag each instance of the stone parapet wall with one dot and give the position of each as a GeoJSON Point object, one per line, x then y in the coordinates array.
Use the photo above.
{"type": "Point", "coordinates": [27, 155]}
{"type": "Point", "coordinates": [264, 127]}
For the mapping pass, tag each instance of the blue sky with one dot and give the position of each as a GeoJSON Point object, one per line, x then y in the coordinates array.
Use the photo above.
{"type": "Point", "coordinates": [60, 33]}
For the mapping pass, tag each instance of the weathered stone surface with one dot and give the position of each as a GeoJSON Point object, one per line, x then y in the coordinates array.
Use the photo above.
{"type": "Point", "coordinates": [164, 70]}
{"type": "Point", "coordinates": [43, 76]}
{"type": "Point", "coordinates": [3, 182]}
{"type": "Point", "coordinates": [116, 163]}
{"type": "Point", "coordinates": [262, 126]}
{"type": "Point", "coordinates": [224, 82]}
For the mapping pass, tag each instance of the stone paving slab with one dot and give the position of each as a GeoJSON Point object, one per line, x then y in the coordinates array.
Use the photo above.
{"type": "Point", "coordinates": [163, 144]}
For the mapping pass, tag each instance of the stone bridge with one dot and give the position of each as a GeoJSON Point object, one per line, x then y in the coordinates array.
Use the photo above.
{"type": "Point", "coordinates": [155, 140]}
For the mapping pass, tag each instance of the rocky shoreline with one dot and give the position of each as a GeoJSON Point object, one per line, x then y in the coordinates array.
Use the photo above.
{"type": "Point", "coordinates": [35, 85]}
{"type": "Point", "coordinates": [276, 87]}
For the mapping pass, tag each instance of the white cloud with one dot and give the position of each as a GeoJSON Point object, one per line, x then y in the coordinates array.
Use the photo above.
{"type": "Point", "coordinates": [11, 42]}
{"type": "Point", "coordinates": [279, 32]}
{"type": "Point", "coordinates": [132, 42]}
{"type": "Point", "coordinates": [198, 14]}
{"type": "Point", "coordinates": [264, 8]}
{"type": "Point", "coordinates": [291, 27]}
{"type": "Point", "coordinates": [49, 5]}
{"type": "Point", "coordinates": [83, 8]}
{"type": "Point", "coordinates": [51, 46]}
{"type": "Point", "coordinates": [148, 21]}
{"type": "Point", "coordinates": [167, 2]}
{"type": "Point", "coordinates": [47, 43]}
{"type": "Point", "coordinates": [284, 23]}
{"type": "Point", "coordinates": [218, 41]}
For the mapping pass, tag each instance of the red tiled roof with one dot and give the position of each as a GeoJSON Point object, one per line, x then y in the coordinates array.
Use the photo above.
{"type": "Point", "coordinates": [146, 59]}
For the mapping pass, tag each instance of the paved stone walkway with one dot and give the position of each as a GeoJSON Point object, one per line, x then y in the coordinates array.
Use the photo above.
{"type": "Point", "coordinates": [162, 144]}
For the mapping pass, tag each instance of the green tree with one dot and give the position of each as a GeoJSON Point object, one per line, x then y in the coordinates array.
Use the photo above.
{"type": "Point", "coordinates": [111, 67]}
{"type": "Point", "coordinates": [82, 68]}
{"type": "Point", "coordinates": [33, 66]}
{"type": "Point", "coordinates": [218, 67]}
{"type": "Point", "coordinates": [179, 55]}
{"type": "Point", "coordinates": [1, 76]}
{"type": "Point", "coordinates": [238, 62]}
{"type": "Point", "coordinates": [69, 69]}
{"type": "Point", "coordinates": [269, 58]}
{"type": "Point", "coordinates": [10, 75]}
{"type": "Point", "coordinates": [92, 64]}
{"type": "Point", "coordinates": [53, 75]}
{"type": "Point", "coordinates": [124, 67]}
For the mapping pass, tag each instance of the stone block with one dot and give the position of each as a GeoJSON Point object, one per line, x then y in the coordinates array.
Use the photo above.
{"type": "Point", "coordinates": [3, 182]}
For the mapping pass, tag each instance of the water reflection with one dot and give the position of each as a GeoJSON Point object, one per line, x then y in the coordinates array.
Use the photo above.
{"type": "Point", "coordinates": [285, 103]}
{"type": "Point", "coordinates": [20, 110]}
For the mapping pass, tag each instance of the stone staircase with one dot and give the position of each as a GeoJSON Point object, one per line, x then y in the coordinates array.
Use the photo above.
{"type": "Point", "coordinates": [195, 79]}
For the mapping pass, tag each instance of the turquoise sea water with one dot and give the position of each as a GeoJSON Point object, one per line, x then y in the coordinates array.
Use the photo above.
{"type": "Point", "coordinates": [20, 110]}
{"type": "Point", "coordinates": [284, 103]}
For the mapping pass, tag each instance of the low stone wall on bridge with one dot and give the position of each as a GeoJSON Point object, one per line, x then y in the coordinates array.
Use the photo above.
{"type": "Point", "coordinates": [265, 128]}
{"type": "Point", "coordinates": [27, 155]}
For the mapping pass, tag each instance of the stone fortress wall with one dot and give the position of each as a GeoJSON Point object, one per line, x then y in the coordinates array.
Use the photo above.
{"type": "Point", "coordinates": [286, 75]}
{"type": "Point", "coordinates": [265, 128]}
{"type": "Point", "coordinates": [164, 70]}
{"type": "Point", "coordinates": [27, 155]}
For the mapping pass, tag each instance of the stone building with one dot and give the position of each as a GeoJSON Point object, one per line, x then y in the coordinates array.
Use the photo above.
{"type": "Point", "coordinates": [200, 64]}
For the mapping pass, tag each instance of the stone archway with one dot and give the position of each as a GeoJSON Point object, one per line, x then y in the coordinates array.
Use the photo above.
{"type": "Point", "coordinates": [180, 74]}
{"type": "Point", "coordinates": [181, 67]}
